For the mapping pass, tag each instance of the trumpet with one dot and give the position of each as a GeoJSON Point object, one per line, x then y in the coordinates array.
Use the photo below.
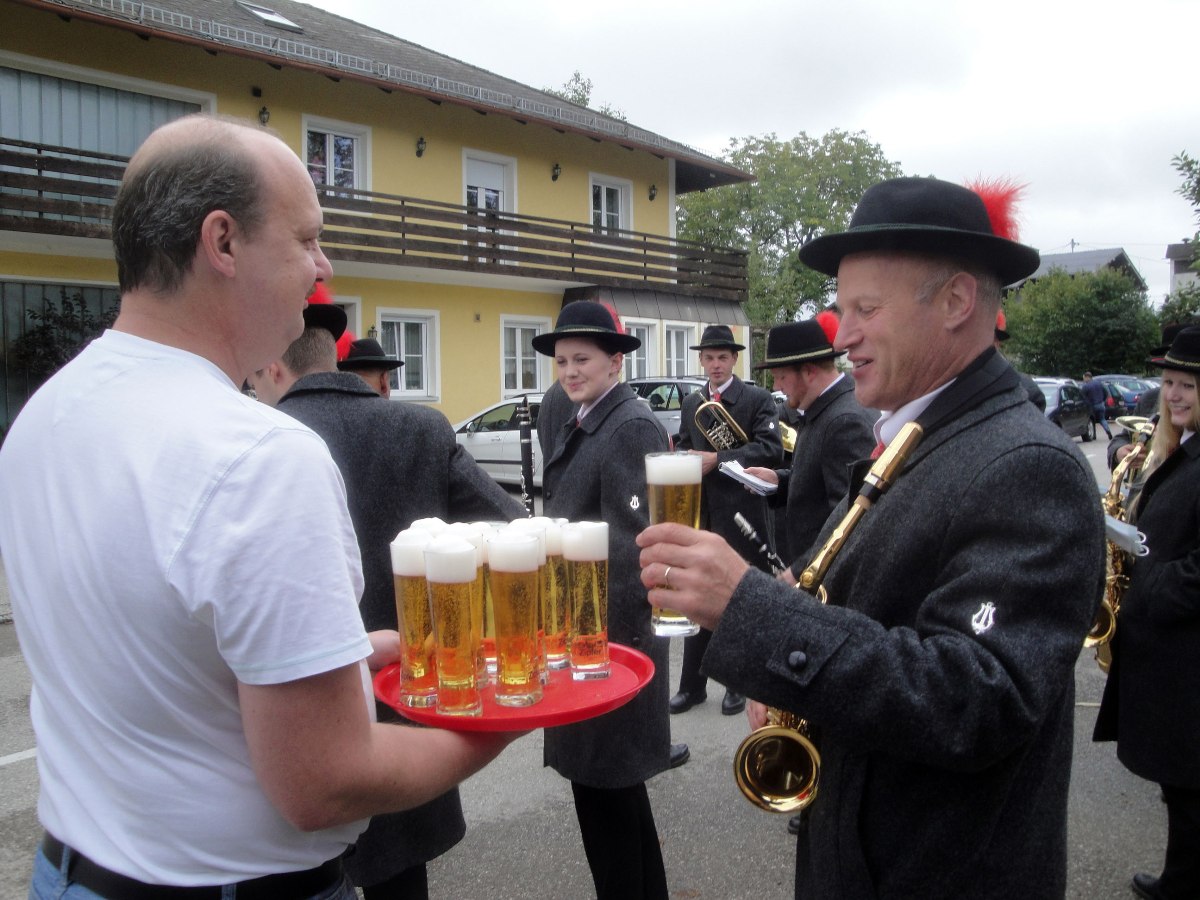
{"type": "Point", "coordinates": [720, 428]}
{"type": "Point", "coordinates": [777, 766]}
{"type": "Point", "coordinates": [1115, 504]}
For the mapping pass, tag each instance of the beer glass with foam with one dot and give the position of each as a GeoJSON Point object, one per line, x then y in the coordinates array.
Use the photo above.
{"type": "Point", "coordinates": [555, 621]}
{"type": "Point", "coordinates": [418, 671]}
{"type": "Point", "coordinates": [513, 572]}
{"type": "Point", "coordinates": [673, 488]}
{"type": "Point", "coordinates": [585, 549]}
{"type": "Point", "coordinates": [450, 569]}
{"type": "Point", "coordinates": [476, 533]}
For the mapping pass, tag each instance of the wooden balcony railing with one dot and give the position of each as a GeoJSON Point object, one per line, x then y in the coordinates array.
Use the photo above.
{"type": "Point", "coordinates": [60, 191]}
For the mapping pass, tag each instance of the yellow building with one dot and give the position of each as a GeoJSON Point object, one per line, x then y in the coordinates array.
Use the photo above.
{"type": "Point", "coordinates": [462, 209]}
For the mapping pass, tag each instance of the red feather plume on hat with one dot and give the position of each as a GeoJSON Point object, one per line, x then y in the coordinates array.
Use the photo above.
{"type": "Point", "coordinates": [1000, 196]}
{"type": "Point", "coordinates": [829, 322]}
{"type": "Point", "coordinates": [616, 319]}
{"type": "Point", "coordinates": [320, 295]}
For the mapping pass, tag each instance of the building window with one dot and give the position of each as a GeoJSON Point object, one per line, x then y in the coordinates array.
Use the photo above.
{"type": "Point", "coordinates": [637, 362]}
{"type": "Point", "coordinates": [411, 338]}
{"type": "Point", "coordinates": [610, 204]}
{"type": "Point", "coordinates": [489, 187]}
{"type": "Point", "coordinates": [336, 153]}
{"type": "Point", "coordinates": [521, 365]}
{"type": "Point", "coordinates": [677, 340]}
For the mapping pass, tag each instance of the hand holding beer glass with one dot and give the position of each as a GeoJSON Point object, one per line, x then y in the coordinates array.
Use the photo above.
{"type": "Point", "coordinates": [673, 489]}
{"type": "Point", "coordinates": [450, 569]}
{"type": "Point", "coordinates": [585, 549]}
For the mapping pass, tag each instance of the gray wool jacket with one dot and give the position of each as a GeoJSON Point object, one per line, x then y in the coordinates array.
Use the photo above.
{"type": "Point", "coordinates": [940, 677]}
{"type": "Point", "coordinates": [400, 463]}
{"type": "Point", "coordinates": [597, 473]}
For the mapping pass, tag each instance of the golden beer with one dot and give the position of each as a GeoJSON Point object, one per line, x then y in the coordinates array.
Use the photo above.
{"type": "Point", "coordinates": [450, 568]}
{"type": "Point", "coordinates": [418, 671]}
{"type": "Point", "coordinates": [673, 492]}
{"type": "Point", "coordinates": [513, 562]}
{"type": "Point", "coordinates": [585, 549]}
{"type": "Point", "coordinates": [556, 602]}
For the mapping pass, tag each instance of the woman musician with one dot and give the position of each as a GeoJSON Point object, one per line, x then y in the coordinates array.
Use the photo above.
{"type": "Point", "coordinates": [1151, 704]}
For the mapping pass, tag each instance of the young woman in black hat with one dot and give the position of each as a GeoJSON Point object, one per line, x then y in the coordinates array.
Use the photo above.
{"type": "Point", "coordinates": [596, 472]}
{"type": "Point", "coordinates": [1151, 704]}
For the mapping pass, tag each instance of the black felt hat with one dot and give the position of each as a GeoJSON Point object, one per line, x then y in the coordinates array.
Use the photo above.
{"type": "Point", "coordinates": [365, 353]}
{"type": "Point", "coordinates": [923, 215]}
{"type": "Point", "coordinates": [796, 343]}
{"type": "Point", "coordinates": [1184, 354]}
{"type": "Point", "coordinates": [322, 313]}
{"type": "Point", "coordinates": [718, 337]}
{"type": "Point", "coordinates": [587, 319]}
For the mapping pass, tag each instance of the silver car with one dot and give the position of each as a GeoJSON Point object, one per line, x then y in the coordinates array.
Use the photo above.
{"type": "Point", "coordinates": [665, 396]}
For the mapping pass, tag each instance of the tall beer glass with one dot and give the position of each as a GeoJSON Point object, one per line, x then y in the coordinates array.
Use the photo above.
{"type": "Point", "coordinates": [450, 570]}
{"type": "Point", "coordinates": [418, 671]}
{"type": "Point", "coordinates": [585, 549]}
{"type": "Point", "coordinates": [513, 571]}
{"type": "Point", "coordinates": [537, 526]}
{"type": "Point", "coordinates": [476, 533]}
{"type": "Point", "coordinates": [556, 622]}
{"type": "Point", "coordinates": [673, 487]}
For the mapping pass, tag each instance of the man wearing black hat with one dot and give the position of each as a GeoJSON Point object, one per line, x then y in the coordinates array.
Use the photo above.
{"type": "Point", "coordinates": [400, 463]}
{"type": "Point", "coordinates": [834, 432]}
{"type": "Point", "coordinates": [368, 361]}
{"type": "Point", "coordinates": [721, 498]}
{"type": "Point", "coordinates": [938, 675]}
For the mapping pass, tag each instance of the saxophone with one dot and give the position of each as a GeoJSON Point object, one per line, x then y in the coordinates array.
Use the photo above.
{"type": "Point", "coordinates": [1116, 569]}
{"type": "Point", "coordinates": [777, 766]}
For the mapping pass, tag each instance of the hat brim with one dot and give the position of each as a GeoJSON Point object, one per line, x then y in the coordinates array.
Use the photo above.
{"type": "Point", "coordinates": [718, 345]}
{"type": "Point", "coordinates": [610, 341]}
{"type": "Point", "coordinates": [1179, 365]}
{"type": "Point", "coordinates": [797, 359]}
{"type": "Point", "coordinates": [1010, 261]}
{"type": "Point", "coordinates": [369, 362]}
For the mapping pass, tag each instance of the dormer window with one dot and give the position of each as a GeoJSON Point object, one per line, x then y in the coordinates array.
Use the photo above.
{"type": "Point", "coordinates": [269, 16]}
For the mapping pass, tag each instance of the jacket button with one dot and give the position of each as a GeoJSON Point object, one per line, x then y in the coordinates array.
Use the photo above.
{"type": "Point", "coordinates": [637, 640]}
{"type": "Point", "coordinates": [797, 659]}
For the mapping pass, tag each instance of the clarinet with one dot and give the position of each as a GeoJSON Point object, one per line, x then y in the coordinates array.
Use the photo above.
{"type": "Point", "coordinates": [744, 526]}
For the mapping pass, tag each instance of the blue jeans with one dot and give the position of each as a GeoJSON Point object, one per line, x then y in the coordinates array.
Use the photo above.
{"type": "Point", "coordinates": [1098, 415]}
{"type": "Point", "coordinates": [50, 883]}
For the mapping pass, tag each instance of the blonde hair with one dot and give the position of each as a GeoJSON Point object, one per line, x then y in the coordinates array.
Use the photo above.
{"type": "Point", "coordinates": [1166, 433]}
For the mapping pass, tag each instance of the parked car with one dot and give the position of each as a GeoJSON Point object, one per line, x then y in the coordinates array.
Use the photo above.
{"type": "Point", "coordinates": [1131, 387]}
{"type": "Point", "coordinates": [1115, 403]}
{"type": "Point", "coordinates": [493, 437]}
{"type": "Point", "coordinates": [665, 396]}
{"type": "Point", "coordinates": [1066, 407]}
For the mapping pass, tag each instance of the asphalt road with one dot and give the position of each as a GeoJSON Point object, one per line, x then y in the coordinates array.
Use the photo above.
{"type": "Point", "coordinates": [522, 840]}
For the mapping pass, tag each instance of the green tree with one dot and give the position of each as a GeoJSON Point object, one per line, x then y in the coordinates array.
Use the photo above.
{"type": "Point", "coordinates": [55, 335]}
{"type": "Point", "coordinates": [804, 187]}
{"type": "Point", "coordinates": [1069, 324]}
{"type": "Point", "coordinates": [578, 90]}
{"type": "Point", "coordinates": [1189, 169]}
{"type": "Point", "coordinates": [1181, 305]}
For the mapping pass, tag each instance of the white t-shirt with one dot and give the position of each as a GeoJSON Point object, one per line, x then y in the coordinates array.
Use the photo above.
{"type": "Point", "coordinates": [165, 537]}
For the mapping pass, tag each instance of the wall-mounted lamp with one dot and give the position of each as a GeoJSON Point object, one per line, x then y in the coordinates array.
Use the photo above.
{"type": "Point", "coordinates": [421, 146]}
{"type": "Point", "coordinates": [555, 171]}
{"type": "Point", "coordinates": [373, 333]}
{"type": "Point", "coordinates": [653, 191]}
{"type": "Point", "coordinates": [264, 115]}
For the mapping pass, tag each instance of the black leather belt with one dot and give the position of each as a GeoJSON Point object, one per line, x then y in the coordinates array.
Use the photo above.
{"type": "Point", "coordinates": [107, 883]}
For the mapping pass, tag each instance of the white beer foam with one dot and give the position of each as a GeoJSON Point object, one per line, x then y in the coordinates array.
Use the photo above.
{"type": "Point", "coordinates": [673, 468]}
{"type": "Point", "coordinates": [476, 533]}
{"type": "Point", "coordinates": [433, 524]}
{"type": "Point", "coordinates": [536, 527]}
{"type": "Point", "coordinates": [513, 551]}
{"type": "Point", "coordinates": [408, 552]}
{"type": "Point", "coordinates": [585, 541]}
{"type": "Point", "coordinates": [449, 560]}
{"type": "Point", "coordinates": [553, 534]}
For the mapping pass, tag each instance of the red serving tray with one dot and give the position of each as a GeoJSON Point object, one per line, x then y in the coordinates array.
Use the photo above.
{"type": "Point", "coordinates": [563, 699]}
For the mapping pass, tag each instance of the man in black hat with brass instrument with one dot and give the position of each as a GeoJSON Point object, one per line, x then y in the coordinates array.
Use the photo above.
{"type": "Point", "coordinates": [727, 420]}
{"type": "Point", "coordinates": [932, 650]}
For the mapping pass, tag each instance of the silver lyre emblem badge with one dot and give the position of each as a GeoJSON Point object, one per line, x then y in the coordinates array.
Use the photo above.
{"type": "Point", "coordinates": [634, 502]}
{"type": "Point", "coordinates": [985, 618]}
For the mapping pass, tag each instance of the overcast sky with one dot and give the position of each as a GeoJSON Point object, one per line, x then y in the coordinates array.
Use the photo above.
{"type": "Point", "coordinates": [1086, 102]}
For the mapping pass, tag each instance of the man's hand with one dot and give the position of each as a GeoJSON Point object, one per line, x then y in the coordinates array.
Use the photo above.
{"type": "Point", "coordinates": [708, 461]}
{"type": "Point", "coordinates": [756, 714]}
{"type": "Point", "coordinates": [385, 649]}
{"type": "Point", "coordinates": [768, 475]}
{"type": "Point", "coordinates": [692, 571]}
